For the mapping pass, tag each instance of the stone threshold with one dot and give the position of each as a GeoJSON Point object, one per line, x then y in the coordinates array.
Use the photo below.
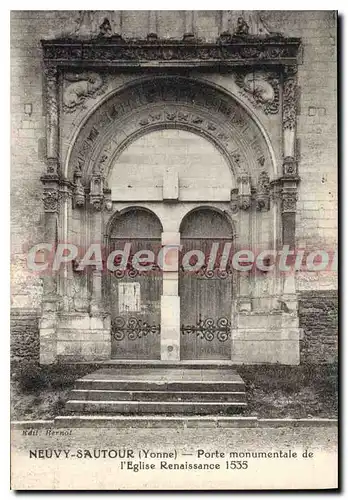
{"type": "Point", "coordinates": [158, 421]}
{"type": "Point", "coordinates": [145, 363]}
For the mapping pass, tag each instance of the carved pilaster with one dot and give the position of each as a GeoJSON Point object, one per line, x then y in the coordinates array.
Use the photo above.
{"type": "Point", "coordinates": [52, 118]}
{"type": "Point", "coordinates": [289, 110]}
{"type": "Point", "coordinates": [290, 177]}
{"type": "Point", "coordinates": [288, 207]}
{"type": "Point", "coordinates": [289, 98]}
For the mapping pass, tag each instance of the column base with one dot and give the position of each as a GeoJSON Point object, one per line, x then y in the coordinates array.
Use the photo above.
{"type": "Point", "coordinates": [170, 328]}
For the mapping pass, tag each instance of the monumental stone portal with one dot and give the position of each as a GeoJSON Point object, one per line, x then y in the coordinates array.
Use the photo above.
{"type": "Point", "coordinates": [186, 141]}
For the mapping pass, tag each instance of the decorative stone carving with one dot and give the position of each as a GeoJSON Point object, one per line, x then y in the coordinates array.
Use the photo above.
{"type": "Point", "coordinates": [50, 199]}
{"type": "Point", "coordinates": [114, 51]}
{"type": "Point", "coordinates": [79, 87]}
{"type": "Point", "coordinates": [64, 193]}
{"type": "Point", "coordinates": [96, 195]}
{"type": "Point", "coordinates": [79, 192]}
{"type": "Point", "coordinates": [242, 27]}
{"type": "Point", "coordinates": [184, 117]}
{"type": "Point", "coordinates": [234, 201]}
{"type": "Point", "coordinates": [238, 162]}
{"type": "Point", "coordinates": [289, 198]}
{"type": "Point", "coordinates": [261, 88]}
{"type": "Point", "coordinates": [52, 166]}
{"type": "Point", "coordinates": [244, 192]}
{"type": "Point", "coordinates": [105, 29]}
{"type": "Point", "coordinates": [263, 192]}
{"type": "Point", "coordinates": [189, 105]}
{"type": "Point", "coordinates": [52, 114]}
{"type": "Point", "coordinates": [290, 168]}
{"type": "Point", "coordinates": [107, 199]}
{"type": "Point", "coordinates": [289, 98]}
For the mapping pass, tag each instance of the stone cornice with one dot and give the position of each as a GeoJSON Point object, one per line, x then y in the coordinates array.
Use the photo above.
{"type": "Point", "coordinates": [117, 52]}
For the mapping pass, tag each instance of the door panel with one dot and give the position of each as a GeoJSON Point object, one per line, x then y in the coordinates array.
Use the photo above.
{"type": "Point", "coordinates": [206, 295]}
{"type": "Point", "coordinates": [135, 296]}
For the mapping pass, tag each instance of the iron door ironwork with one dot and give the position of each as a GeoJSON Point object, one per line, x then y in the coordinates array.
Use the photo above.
{"type": "Point", "coordinates": [135, 296]}
{"type": "Point", "coordinates": [206, 294]}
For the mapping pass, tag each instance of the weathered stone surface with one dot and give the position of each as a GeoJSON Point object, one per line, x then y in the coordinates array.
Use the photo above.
{"type": "Point", "coordinates": [318, 312]}
{"type": "Point", "coordinates": [24, 335]}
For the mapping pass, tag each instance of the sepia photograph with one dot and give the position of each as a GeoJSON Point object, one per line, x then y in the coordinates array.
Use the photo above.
{"type": "Point", "coordinates": [174, 249]}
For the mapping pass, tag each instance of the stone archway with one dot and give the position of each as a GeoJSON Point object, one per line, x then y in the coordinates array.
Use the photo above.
{"type": "Point", "coordinates": [170, 102]}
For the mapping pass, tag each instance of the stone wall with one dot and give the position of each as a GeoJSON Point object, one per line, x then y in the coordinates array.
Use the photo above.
{"type": "Point", "coordinates": [318, 313]}
{"type": "Point", "coordinates": [24, 335]}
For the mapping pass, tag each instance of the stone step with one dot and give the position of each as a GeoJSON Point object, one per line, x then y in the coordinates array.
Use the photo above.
{"type": "Point", "coordinates": [182, 364]}
{"type": "Point", "coordinates": [159, 385]}
{"type": "Point", "coordinates": [162, 390]}
{"type": "Point", "coordinates": [154, 407]}
{"type": "Point", "coordinates": [118, 395]}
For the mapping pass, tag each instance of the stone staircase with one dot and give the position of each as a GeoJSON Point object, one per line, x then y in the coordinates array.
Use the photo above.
{"type": "Point", "coordinates": [158, 390]}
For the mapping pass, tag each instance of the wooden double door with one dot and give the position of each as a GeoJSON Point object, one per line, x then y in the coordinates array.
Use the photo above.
{"type": "Point", "coordinates": [205, 289]}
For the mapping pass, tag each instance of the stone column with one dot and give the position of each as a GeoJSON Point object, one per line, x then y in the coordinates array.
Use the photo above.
{"type": "Point", "coordinates": [50, 180]}
{"type": "Point", "coordinates": [96, 233]}
{"type": "Point", "coordinates": [244, 199]}
{"type": "Point", "coordinates": [170, 300]}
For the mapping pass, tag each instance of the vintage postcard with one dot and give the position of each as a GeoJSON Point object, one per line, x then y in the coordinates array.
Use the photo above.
{"type": "Point", "coordinates": [174, 250]}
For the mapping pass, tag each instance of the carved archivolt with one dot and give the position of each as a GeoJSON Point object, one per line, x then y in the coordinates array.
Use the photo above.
{"type": "Point", "coordinates": [78, 87]}
{"type": "Point", "coordinates": [183, 103]}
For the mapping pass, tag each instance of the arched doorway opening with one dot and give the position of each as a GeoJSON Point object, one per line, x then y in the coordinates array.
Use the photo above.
{"type": "Point", "coordinates": [135, 285]}
{"type": "Point", "coordinates": [206, 285]}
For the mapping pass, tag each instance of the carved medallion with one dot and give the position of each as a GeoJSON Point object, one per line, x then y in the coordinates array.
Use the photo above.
{"type": "Point", "coordinates": [80, 86]}
{"type": "Point", "coordinates": [260, 88]}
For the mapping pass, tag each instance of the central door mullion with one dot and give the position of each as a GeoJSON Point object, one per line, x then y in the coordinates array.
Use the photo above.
{"type": "Point", "coordinates": [170, 300]}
